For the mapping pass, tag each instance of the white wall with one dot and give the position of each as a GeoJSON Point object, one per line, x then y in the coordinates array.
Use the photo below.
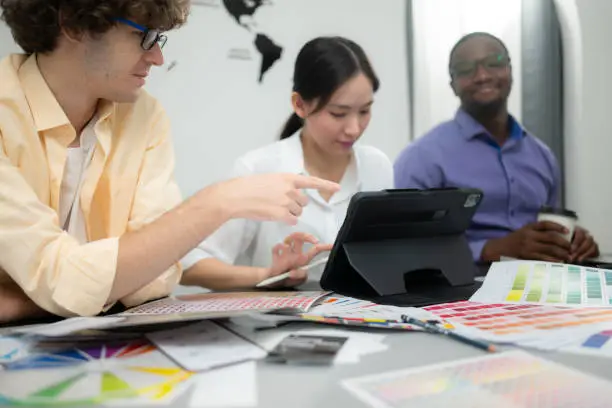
{"type": "Point", "coordinates": [7, 45]}
{"type": "Point", "coordinates": [588, 135]}
{"type": "Point", "coordinates": [438, 24]}
{"type": "Point", "coordinates": [218, 109]}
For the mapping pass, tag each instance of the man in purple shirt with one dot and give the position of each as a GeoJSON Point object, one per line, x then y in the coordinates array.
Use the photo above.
{"type": "Point", "coordinates": [484, 147]}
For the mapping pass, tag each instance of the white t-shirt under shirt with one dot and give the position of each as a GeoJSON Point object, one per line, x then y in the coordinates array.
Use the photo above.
{"type": "Point", "coordinates": [77, 159]}
{"type": "Point", "coordinates": [248, 242]}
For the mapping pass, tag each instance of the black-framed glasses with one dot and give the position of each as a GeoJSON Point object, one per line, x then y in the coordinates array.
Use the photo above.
{"type": "Point", "coordinates": [464, 69]}
{"type": "Point", "coordinates": [149, 38]}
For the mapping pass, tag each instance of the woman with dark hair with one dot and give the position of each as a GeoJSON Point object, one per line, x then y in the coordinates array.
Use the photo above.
{"type": "Point", "coordinates": [333, 92]}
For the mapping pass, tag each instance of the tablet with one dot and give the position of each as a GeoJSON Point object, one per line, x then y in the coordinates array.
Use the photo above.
{"type": "Point", "coordinates": [405, 247]}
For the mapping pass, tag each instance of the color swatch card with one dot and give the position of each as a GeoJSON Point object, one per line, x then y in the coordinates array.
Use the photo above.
{"type": "Point", "coordinates": [595, 344]}
{"type": "Point", "coordinates": [511, 379]}
{"type": "Point", "coordinates": [547, 284]}
{"type": "Point", "coordinates": [505, 322]}
{"type": "Point", "coordinates": [229, 302]}
{"type": "Point", "coordinates": [112, 374]}
{"type": "Point", "coordinates": [218, 305]}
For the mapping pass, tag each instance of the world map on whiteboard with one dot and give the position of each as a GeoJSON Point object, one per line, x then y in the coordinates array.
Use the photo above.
{"type": "Point", "coordinates": [244, 14]}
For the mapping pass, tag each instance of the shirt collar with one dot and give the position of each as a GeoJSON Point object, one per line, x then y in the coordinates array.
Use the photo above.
{"type": "Point", "coordinates": [471, 129]}
{"type": "Point", "coordinates": [46, 110]}
{"type": "Point", "coordinates": [293, 161]}
{"type": "Point", "coordinates": [293, 155]}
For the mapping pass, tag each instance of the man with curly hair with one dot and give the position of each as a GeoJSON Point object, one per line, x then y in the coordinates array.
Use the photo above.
{"type": "Point", "coordinates": [90, 214]}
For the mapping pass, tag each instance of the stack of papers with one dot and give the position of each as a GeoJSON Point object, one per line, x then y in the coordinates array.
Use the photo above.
{"type": "Point", "coordinates": [204, 306]}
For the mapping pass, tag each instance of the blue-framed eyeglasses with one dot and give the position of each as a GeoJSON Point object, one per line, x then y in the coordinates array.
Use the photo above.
{"type": "Point", "coordinates": [149, 38]}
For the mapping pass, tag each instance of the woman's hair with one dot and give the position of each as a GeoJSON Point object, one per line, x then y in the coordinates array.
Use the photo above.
{"type": "Point", "coordinates": [36, 25]}
{"type": "Point", "coordinates": [323, 65]}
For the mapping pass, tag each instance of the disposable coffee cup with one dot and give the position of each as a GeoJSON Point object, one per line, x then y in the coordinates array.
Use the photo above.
{"type": "Point", "coordinates": [561, 216]}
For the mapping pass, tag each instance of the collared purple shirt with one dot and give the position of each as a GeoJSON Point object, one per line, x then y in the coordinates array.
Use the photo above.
{"type": "Point", "coordinates": [516, 179]}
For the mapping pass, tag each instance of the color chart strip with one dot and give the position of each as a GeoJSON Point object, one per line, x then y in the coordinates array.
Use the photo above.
{"type": "Point", "coordinates": [518, 287]}
{"type": "Point", "coordinates": [555, 284]}
{"type": "Point", "coordinates": [594, 292]}
{"type": "Point", "coordinates": [574, 294]}
{"type": "Point", "coordinates": [537, 283]}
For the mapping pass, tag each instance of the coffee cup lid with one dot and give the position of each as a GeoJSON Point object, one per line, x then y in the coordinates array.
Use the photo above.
{"type": "Point", "coordinates": [558, 211]}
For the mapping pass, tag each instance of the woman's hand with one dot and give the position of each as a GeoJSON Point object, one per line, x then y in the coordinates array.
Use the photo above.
{"type": "Point", "coordinates": [290, 257]}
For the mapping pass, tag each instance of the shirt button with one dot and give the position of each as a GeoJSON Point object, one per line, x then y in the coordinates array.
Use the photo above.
{"type": "Point", "coordinates": [512, 213]}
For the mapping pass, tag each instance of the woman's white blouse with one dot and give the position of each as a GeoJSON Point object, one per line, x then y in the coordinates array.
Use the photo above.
{"type": "Point", "coordinates": [247, 242]}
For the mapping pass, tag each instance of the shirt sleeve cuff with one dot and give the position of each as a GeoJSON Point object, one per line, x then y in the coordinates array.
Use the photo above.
{"type": "Point", "coordinates": [193, 257]}
{"type": "Point", "coordinates": [85, 286]}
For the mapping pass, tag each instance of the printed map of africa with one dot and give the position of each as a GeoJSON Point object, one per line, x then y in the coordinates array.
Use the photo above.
{"type": "Point", "coordinates": [269, 50]}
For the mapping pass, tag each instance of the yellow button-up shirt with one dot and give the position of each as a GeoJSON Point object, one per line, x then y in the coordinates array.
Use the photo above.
{"type": "Point", "coordinates": [128, 183]}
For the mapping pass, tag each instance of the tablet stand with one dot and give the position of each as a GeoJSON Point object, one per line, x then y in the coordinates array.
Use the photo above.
{"type": "Point", "coordinates": [392, 267]}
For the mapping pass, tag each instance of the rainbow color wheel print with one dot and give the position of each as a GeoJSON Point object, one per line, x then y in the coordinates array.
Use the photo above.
{"type": "Point", "coordinates": [121, 374]}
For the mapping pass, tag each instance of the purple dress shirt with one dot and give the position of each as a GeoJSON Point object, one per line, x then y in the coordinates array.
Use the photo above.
{"type": "Point", "coordinates": [516, 179]}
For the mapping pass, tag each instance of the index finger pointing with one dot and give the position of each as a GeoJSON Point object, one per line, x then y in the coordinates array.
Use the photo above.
{"type": "Point", "coordinates": [316, 183]}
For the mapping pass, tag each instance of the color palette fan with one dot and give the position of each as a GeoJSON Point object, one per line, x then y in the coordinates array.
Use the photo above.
{"type": "Point", "coordinates": [132, 372]}
{"type": "Point", "coordinates": [343, 310]}
{"type": "Point", "coordinates": [511, 379]}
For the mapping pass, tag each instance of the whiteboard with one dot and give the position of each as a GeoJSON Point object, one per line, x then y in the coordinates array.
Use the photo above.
{"type": "Point", "coordinates": [219, 109]}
